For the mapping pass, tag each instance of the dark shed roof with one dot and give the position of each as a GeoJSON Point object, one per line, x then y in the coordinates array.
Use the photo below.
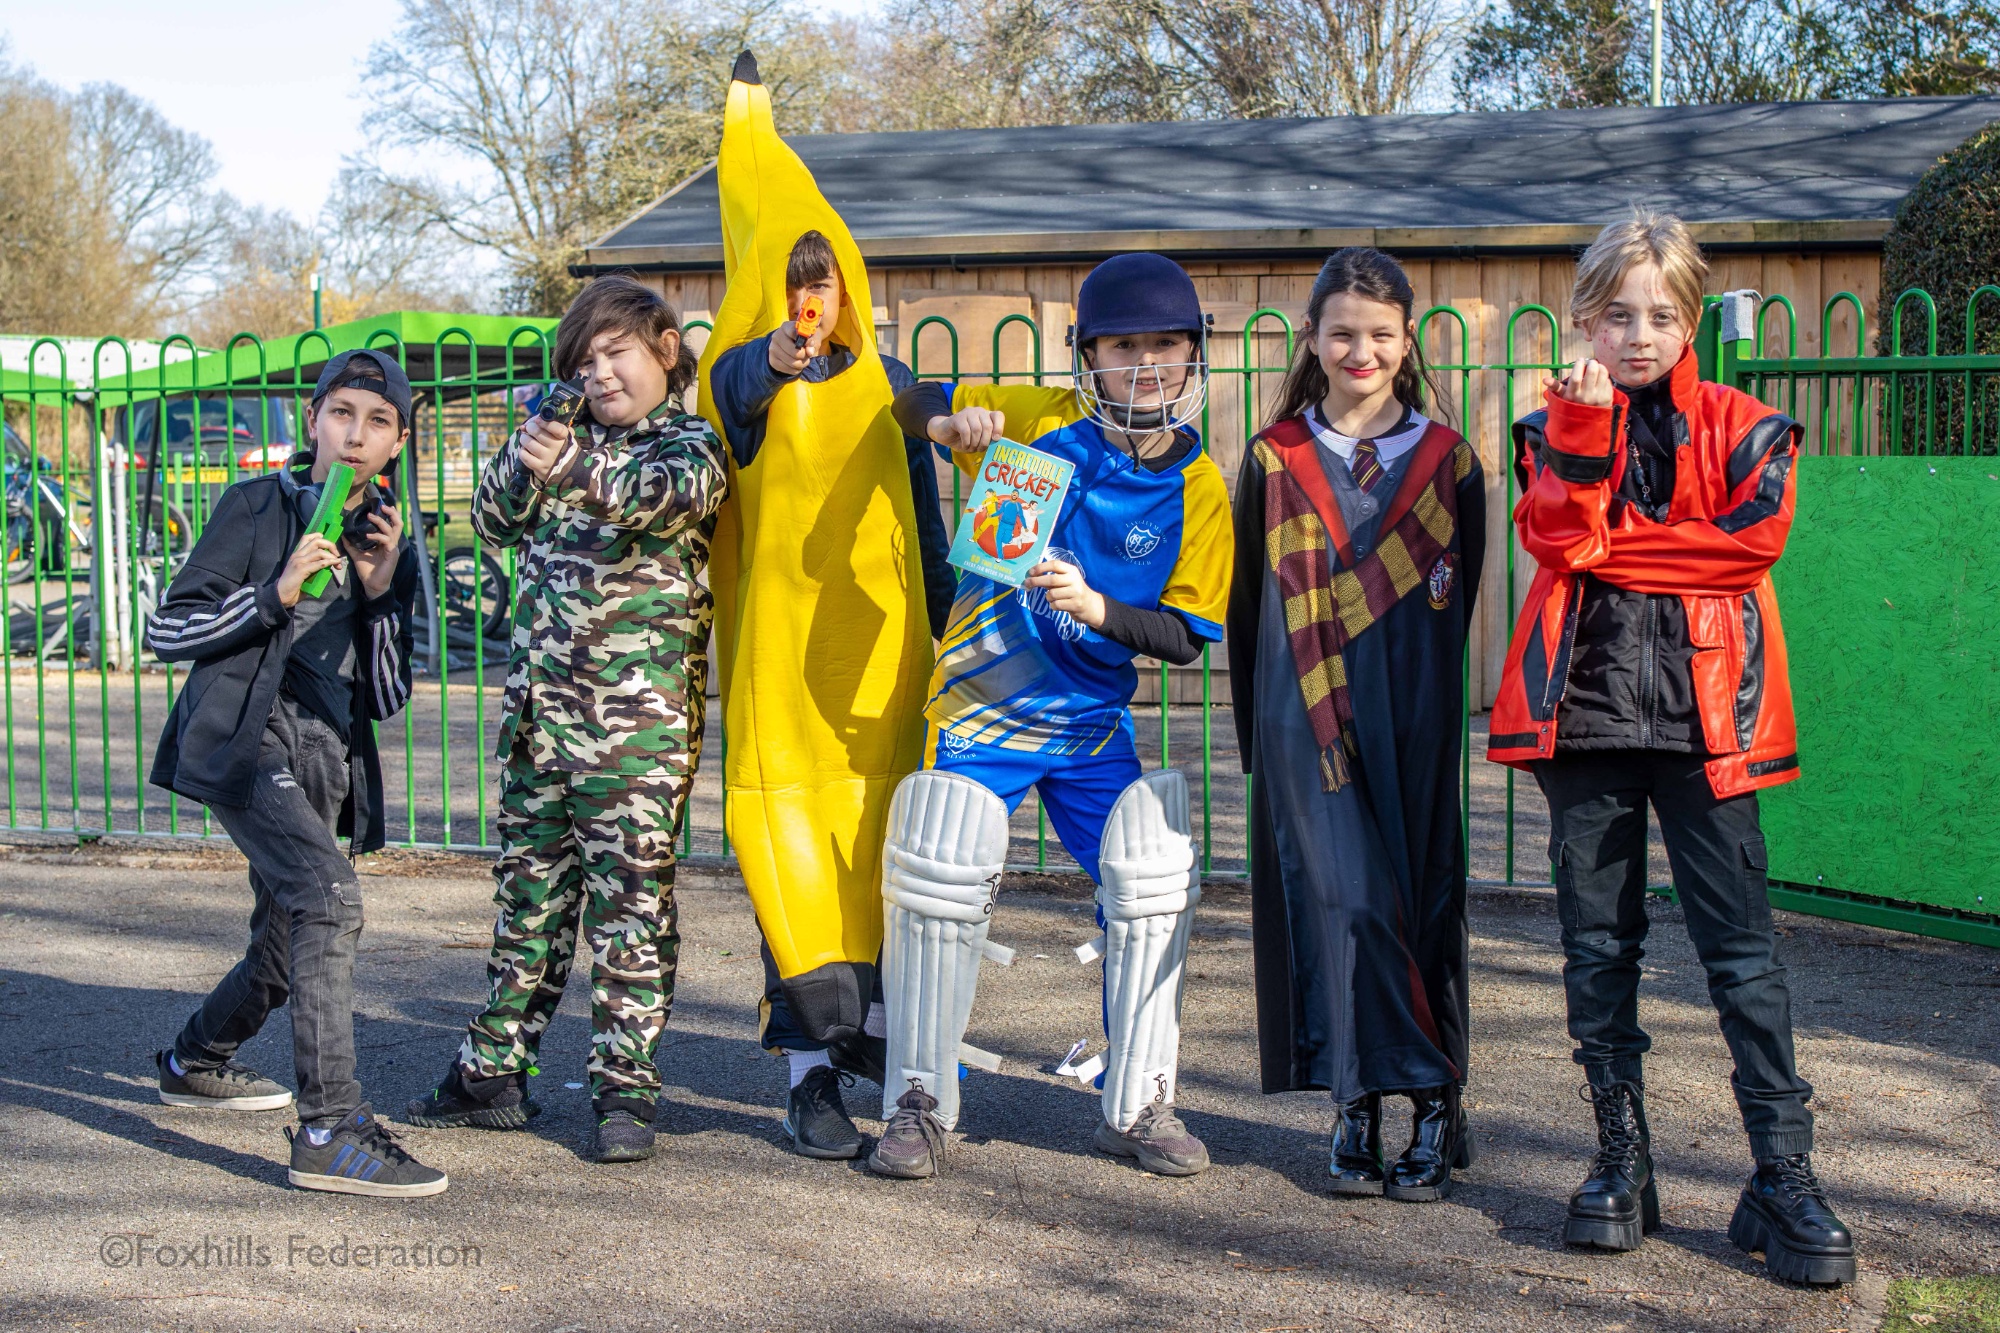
{"type": "Point", "coordinates": [1790, 175]}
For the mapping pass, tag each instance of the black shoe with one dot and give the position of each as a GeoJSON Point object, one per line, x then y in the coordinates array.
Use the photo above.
{"type": "Point", "coordinates": [1784, 1213]}
{"type": "Point", "coordinates": [1441, 1140]}
{"type": "Point", "coordinates": [489, 1103]}
{"type": "Point", "coordinates": [622, 1137]}
{"type": "Point", "coordinates": [228, 1087]}
{"type": "Point", "coordinates": [1357, 1146]}
{"type": "Point", "coordinates": [361, 1156]}
{"type": "Point", "coordinates": [1618, 1204]}
{"type": "Point", "coordinates": [817, 1120]}
{"type": "Point", "coordinates": [862, 1056]}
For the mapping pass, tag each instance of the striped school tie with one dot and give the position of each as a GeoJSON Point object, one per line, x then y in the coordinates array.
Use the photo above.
{"type": "Point", "coordinates": [1365, 467]}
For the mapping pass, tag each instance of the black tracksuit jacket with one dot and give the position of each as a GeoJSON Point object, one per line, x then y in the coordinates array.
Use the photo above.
{"type": "Point", "coordinates": [222, 613]}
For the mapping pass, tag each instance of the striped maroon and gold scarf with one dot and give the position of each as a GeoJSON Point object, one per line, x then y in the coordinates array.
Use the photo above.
{"type": "Point", "coordinates": [1327, 601]}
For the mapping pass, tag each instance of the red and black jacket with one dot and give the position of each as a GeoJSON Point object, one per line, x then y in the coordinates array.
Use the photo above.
{"type": "Point", "coordinates": [1711, 551]}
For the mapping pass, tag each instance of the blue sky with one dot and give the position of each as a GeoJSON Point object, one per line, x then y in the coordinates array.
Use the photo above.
{"type": "Point", "coordinates": [273, 84]}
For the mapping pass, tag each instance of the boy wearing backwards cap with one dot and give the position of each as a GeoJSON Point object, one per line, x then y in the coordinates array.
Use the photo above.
{"type": "Point", "coordinates": [1031, 689]}
{"type": "Point", "coordinates": [273, 732]}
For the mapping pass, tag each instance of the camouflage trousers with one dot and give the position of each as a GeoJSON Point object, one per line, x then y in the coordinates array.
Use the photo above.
{"type": "Point", "coordinates": [592, 855]}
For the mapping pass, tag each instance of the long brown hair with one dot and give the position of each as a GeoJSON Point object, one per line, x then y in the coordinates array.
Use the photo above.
{"type": "Point", "coordinates": [1373, 276]}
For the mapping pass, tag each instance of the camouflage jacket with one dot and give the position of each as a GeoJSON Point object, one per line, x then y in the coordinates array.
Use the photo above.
{"type": "Point", "coordinates": [609, 665]}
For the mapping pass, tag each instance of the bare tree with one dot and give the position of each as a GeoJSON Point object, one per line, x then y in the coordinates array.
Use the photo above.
{"type": "Point", "coordinates": [573, 116]}
{"type": "Point", "coordinates": [146, 180]}
{"type": "Point", "coordinates": [106, 209]}
{"type": "Point", "coordinates": [954, 64]}
{"type": "Point", "coordinates": [1154, 59]}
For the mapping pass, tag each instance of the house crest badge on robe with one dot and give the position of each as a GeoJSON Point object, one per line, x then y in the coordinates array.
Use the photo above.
{"type": "Point", "coordinates": [1443, 574]}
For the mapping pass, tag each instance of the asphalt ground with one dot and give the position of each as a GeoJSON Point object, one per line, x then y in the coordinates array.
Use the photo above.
{"type": "Point", "coordinates": [118, 1212]}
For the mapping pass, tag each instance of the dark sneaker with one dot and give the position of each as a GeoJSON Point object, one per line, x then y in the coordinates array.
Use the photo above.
{"type": "Point", "coordinates": [228, 1087]}
{"type": "Point", "coordinates": [1159, 1141]}
{"type": "Point", "coordinates": [912, 1145]}
{"type": "Point", "coordinates": [361, 1157]}
{"type": "Point", "coordinates": [816, 1118]}
{"type": "Point", "coordinates": [488, 1103]}
{"type": "Point", "coordinates": [622, 1137]}
{"type": "Point", "coordinates": [862, 1056]}
{"type": "Point", "coordinates": [1784, 1213]}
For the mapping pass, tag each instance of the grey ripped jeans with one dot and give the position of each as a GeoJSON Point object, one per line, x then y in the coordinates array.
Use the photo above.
{"type": "Point", "coordinates": [305, 922]}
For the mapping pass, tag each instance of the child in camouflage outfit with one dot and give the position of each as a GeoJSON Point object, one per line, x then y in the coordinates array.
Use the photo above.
{"type": "Point", "coordinates": [602, 715]}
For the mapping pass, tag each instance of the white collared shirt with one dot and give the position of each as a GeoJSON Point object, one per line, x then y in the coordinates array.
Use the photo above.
{"type": "Point", "coordinates": [1401, 438]}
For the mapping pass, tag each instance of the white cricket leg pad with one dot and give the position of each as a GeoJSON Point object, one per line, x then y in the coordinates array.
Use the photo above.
{"type": "Point", "coordinates": [941, 864]}
{"type": "Point", "coordinates": [1148, 895]}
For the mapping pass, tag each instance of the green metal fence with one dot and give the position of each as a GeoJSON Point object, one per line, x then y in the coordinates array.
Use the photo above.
{"type": "Point", "coordinates": [100, 512]}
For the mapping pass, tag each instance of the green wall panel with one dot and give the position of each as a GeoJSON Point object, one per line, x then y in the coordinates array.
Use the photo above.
{"type": "Point", "coordinates": [1890, 594]}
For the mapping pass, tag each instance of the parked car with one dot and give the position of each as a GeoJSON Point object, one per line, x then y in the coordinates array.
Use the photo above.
{"type": "Point", "coordinates": [225, 437]}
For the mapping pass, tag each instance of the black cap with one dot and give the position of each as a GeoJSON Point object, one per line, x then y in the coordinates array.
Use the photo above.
{"type": "Point", "coordinates": [746, 69]}
{"type": "Point", "coordinates": [393, 383]}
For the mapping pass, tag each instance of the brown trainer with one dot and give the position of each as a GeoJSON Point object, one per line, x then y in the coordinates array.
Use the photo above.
{"type": "Point", "coordinates": [1158, 1140]}
{"type": "Point", "coordinates": [912, 1145]}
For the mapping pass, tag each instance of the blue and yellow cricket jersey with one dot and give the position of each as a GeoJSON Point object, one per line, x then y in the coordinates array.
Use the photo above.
{"type": "Point", "coordinates": [1015, 672]}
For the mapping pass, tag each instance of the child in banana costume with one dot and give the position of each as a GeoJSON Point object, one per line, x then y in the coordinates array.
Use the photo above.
{"type": "Point", "coordinates": [822, 634]}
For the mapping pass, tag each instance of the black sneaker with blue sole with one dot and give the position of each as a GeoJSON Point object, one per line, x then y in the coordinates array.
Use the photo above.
{"type": "Point", "coordinates": [361, 1156]}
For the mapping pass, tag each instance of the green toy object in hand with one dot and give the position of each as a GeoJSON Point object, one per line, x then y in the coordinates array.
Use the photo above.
{"type": "Point", "coordinates": [326, 519]}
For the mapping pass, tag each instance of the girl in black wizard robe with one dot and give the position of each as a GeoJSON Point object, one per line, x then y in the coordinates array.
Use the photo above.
{"type": "Point", "coordinates": [1360, 533]}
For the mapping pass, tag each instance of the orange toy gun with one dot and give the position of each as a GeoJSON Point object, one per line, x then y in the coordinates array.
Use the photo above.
{"type": "Point", "coordinates": [809, 316]}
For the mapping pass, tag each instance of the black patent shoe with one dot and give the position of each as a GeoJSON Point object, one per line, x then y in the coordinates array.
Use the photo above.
{"type": "Point", "coordinates": [1618, 1204]}
{"type": "Point", "coordinates": [1357, 1146]}
{"type": "Point", "coordinates": [816, 1118]}
{"type": "Point", "coordinates": [1440, 1142]}
{"type": "Point", "coordinates": [1784, 1213]}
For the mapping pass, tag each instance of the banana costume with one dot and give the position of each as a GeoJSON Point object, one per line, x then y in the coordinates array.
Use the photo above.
{"type": "Point", "coordinates": [822, 642]}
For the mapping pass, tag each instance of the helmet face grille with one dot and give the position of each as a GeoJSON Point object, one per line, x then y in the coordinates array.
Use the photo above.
{"type": "Point", "coordinates": [1182, 410]}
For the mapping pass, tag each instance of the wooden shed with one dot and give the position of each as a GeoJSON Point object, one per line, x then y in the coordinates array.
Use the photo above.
{"type": "Point", "coordinates": [1486, 210]}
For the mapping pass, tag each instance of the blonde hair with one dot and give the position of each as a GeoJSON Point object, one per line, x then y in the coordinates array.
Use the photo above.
{"type": "Point", "coordinates": [1646, 237]}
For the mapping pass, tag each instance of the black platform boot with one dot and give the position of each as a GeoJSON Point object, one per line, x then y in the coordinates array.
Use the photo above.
{"type": "Point", "coordinates": [1784, 1213]}
{"type": "Point", "coordinates": [1357, 1146]}
{"type": "Point", "coordinates": [1441, 1140]}
{"type": "Point", "coordinates": [1617, 1206]}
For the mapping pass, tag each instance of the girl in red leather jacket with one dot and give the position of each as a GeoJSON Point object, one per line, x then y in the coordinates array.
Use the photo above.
{"type": "Point", "coordinates": [1648, 667]}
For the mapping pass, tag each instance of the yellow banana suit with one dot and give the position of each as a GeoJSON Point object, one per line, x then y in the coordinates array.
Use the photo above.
{"type": "Point", "coordinates": [822, 642]}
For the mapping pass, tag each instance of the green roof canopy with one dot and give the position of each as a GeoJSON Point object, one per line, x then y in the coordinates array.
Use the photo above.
{"type": "Point", "coordinates": [25, 386]}
{"type": "Point", "coordinates": [440, 351]}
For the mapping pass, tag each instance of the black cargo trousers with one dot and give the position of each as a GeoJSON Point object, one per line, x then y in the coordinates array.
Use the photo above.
{"type": "Point", "coordinates": [1597, 843]}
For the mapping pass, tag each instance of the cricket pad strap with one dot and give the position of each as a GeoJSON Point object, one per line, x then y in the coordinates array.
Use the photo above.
{"type": "Point", "coordinates": [1148, 894]}
{"type": "Point", "coordinates": [941, 864]}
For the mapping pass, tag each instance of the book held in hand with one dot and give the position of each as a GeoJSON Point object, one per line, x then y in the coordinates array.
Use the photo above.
{"type": "Point", "coordinates": [1016, 496]}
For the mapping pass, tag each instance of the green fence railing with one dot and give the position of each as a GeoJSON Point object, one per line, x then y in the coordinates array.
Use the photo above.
{"type": "Point", "coordinates": [107, 486]}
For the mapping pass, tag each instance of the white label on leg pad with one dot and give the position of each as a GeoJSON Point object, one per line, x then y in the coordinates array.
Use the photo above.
{"type": "Point", "coordinates": [919, 1080]}
{"type": "Point", "coordinates": [1091, 952]}
{"type": "Point", "coordinates": [972, 1056]}
{"type": "Point", "coordinates": [998, 954]}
